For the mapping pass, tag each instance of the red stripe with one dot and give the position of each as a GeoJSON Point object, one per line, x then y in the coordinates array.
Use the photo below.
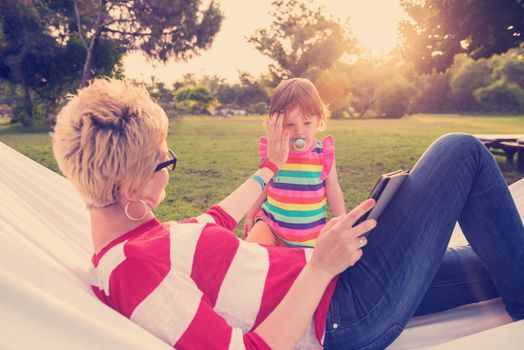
{"type": "Point", "coordinates": [100, 294]}
{"type": "Point", "coordinates": [209, 269]}
{"type": "Point", "coordinates": [294, 238]}
{"type": "Point", "coordinates": [222, 218]}
{"type": "Point", "coordinates": [253, 341]}
{"type": "Point", "coordinates": [189, 221]}
{"type": "Point", "coordinates": [140, 275]}
{"type": "Point", "coordinates": [294, 200]}
{"type": "Point", "coordinates": [312, 161]}
{"type": "Point", "coordinates": [207, 330]}
{"type": "Point", "coordinates": [322, 309]}
{"type": "Point", "coordinates": [284, 266]}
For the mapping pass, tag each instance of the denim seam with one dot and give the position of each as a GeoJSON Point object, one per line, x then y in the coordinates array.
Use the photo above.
{"type": "Point", "coordinates": [458, 283]}
{"type": "Point", "coordinates": [368, 314]}
{"type": "Point", "coordinates": [490, 188]}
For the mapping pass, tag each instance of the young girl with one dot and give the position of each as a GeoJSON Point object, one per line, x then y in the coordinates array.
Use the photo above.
{"type": "Point", "coordinates": [291, 211]}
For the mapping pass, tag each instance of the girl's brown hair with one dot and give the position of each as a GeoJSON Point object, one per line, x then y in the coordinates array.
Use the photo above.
{"type": "Point", "coordinates": [298, 92]}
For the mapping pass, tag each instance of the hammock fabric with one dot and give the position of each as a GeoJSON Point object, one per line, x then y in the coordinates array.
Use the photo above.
{"type": "Point", "coordinates": [46, 302]}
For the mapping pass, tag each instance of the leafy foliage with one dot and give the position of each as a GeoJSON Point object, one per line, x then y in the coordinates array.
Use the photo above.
{"type": "Point", "coordinates": [440, 29]}
{"type": "Point", "coordinates": [194, 99]}
{"type": "Point", "coordinates": [35, 56]}
{"type": "Point", "coordinates": [161, 29]}
{"type": "Point", "coordinates": [301, 40]}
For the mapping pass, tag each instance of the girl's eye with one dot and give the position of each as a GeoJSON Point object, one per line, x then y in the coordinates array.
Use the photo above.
{"type": "Point", "coordinates": [289, 125]}
{"type": "Point", "coordinates": [307, 123]}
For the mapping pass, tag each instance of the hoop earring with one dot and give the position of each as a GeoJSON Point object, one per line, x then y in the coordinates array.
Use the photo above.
{"type": "Point", "coordinates": [126, 210]}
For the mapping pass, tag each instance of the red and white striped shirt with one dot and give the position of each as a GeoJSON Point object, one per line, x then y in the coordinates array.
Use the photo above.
{"type": "Point", "coordinates": [195, 285]}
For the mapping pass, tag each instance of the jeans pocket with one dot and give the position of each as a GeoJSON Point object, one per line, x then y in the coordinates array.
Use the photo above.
{"type": "Point", "coordinates": [385, 339]}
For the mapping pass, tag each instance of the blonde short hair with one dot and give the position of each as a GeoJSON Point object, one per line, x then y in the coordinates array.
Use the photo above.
{"type": "Point", "coordinates": [107, 137]}
{"type": "Point", "coordinates": [302, 93]}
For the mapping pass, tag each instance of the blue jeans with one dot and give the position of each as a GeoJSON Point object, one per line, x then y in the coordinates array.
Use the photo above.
{"type": "Point", "coordinates": [407, 269]}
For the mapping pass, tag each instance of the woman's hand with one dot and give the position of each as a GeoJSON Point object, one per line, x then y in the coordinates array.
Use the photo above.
{"type": "Point", "coordinates": [277, 140]}
{"type": "Point", "coordinates": [248, 225]}
{"type": "Point", "coordinates": [339, 243]}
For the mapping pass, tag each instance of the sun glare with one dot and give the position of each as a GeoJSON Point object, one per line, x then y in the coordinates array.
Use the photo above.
{"type": "Point", "coordinates": [374, 23]}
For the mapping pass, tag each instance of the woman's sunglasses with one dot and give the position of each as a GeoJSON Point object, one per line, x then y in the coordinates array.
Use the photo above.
{"type": "Point", "coordinates": [170, 164]}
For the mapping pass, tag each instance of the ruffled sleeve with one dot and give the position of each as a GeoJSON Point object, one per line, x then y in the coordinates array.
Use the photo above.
{"type": "Point", "coordinates": [328, 156]}
{"type": "Point", "coordinates": [262, 147]}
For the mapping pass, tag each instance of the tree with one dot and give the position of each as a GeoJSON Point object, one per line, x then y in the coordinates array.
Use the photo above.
{"type": "Point", "coordinates": [334, 87]}
{"type": "Point", "coordinates": [160, 93]}
{"type": "Point", "coordinates": [433, 94]}
{"type": "Point", "coordinates": [380, 88]}
{"type": "Point", "coordinates": [501, 96]}
{"type": "Point", "coordinates": [440, 29]}
{"type": "Point", "coordinates": [194, 99]}
{"type": "Point", "coordinates": [466, 76]}
{"type": "Point", "coordinates": [161, 29]}
{"type": "Point", "coordinates": [251, 94]}
{"type": "Point", "coordinates": [35, 56]}
{"type": "Point", "coordinates": [506, 92]}
{"type": "Point", "coordinates": [394, 97]}
{"type": "Point", "coordinates": [301, 39]}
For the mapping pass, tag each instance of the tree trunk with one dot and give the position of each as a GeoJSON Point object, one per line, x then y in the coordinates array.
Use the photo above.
{"type": "Point", "coordinates": [27, 117]}
{"type": "Point", "coordinates": [88, 64]}
{"type": "Point", "coordinates": [93, 46]}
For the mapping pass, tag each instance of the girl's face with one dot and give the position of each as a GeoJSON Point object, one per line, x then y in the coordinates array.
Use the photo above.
{"type": "Point", "coordinates": [300, 126]}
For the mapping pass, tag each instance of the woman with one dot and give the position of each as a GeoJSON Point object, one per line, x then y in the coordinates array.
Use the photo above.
{"type": "Point", "coordinates": [197, 286]}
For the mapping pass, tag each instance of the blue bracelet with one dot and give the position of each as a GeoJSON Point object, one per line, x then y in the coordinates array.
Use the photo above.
{"type": "Point", "coordinates": [259, 180]}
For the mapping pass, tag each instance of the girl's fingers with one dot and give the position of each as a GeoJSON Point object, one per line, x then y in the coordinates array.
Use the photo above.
{"type": "Point", "coordinates": [278, 127]}
{"type": "Point", "coordinates": [271, 124]}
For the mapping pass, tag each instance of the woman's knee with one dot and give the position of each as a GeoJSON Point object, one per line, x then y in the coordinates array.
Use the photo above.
{"type": "Point", "coordinates": [460, 144]}
{"type": "Point", "coordinates": [460, 140]}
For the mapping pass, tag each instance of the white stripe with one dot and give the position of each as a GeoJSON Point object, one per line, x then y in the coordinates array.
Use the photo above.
{"type": "Point", "coordinates": [205, 219]}
{"type": "Point", "coordinates": [237, 340]}
{"type": "Point", "coordinates": [308, 252]}
{"type": "Point", "coordinates": [240, 295]}
{"type": "Point", "coordinates": [168, 311]}
{"type": "Point", "coordinates": [99, 276]}
{"type": "Point", "coordinates": [309, 340]}
{"type": "Point", "coordinates": [184, 238]}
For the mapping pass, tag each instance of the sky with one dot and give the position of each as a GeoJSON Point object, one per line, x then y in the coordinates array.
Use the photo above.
{"type": "Point", "coordinates": [373, 22]}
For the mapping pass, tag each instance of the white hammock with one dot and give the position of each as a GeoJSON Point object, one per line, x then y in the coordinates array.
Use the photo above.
{"type": "Point", "coordinates": [46, 301]}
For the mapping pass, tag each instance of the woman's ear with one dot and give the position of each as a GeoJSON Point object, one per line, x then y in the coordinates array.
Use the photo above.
{"type": "Point", "coordinates": [127, 194]}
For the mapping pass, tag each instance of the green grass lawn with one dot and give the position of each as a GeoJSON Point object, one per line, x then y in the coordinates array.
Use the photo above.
{"type": "Point", "coordinates": [217, 154]}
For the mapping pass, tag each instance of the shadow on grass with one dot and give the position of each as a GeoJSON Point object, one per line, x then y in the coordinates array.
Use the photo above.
{"type": "Point", "coordinates": [7, 128]}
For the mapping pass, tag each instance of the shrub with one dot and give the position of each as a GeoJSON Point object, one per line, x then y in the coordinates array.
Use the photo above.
{"type": "Point", "coordinates": [501, 96]}
{"type": "Point", "coordinates": [393, 99]}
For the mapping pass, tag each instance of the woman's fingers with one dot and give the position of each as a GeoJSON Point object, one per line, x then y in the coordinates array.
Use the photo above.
{"type": "Point", "coordinates": [332, 222]}
{"type": "Point", "coordinates": [350, 218]}
{"type": "Point", "coordinates": [358, 231]}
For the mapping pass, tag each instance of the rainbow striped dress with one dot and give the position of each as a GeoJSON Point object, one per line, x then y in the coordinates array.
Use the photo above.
{"type": "Point", "coordinates": [295, 208]}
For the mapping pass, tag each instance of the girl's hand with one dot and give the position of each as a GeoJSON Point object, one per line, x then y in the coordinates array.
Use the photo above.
{"type": "Point", "coordinates": [277, 140]}
{"type": "Point", "coordinates": [248, 225]}
{"type": "Point", "coordinates": [339, 245]}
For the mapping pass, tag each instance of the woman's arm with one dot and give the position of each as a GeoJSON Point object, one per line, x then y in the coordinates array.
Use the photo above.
{"type": "Point", "coordinates": [337, 248]}
{"type": "Point", "coordinates": [334, 194]}
{"type": "Point", "coordinates": [245, 196]}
